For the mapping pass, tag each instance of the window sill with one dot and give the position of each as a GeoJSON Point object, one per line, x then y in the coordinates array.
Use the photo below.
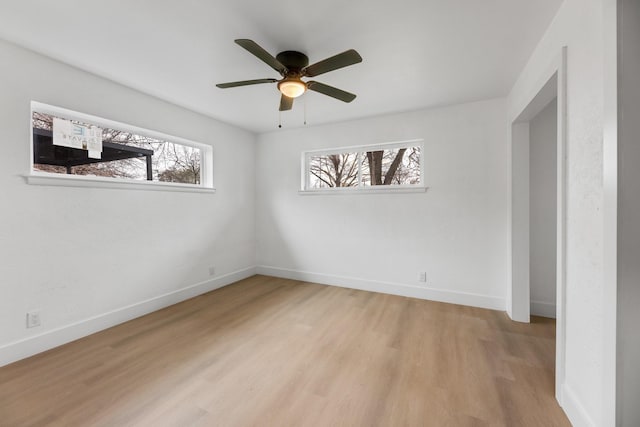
{"type": "Point", "coordinates": [124, 184]}
{"type": "Point", "coordinates": [376, 190]}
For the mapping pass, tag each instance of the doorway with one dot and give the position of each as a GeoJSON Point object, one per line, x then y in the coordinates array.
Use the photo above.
{"type": "Point", "coordinates": [543, 140]}
{"type": "Point", "coordinates": [534, 206]}
{"type": "Point", "coordinates": [537, 207]}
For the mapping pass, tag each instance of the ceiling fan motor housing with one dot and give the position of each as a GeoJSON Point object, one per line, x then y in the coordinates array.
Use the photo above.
{"type": "Point", "coordinates": [293, 60]}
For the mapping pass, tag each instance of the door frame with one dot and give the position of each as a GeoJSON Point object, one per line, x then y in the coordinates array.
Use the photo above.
{"type": "Point", "coordinates": [552, 84]}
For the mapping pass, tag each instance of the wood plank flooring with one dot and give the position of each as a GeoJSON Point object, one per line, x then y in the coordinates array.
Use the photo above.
{"type": "Point", "coordinates": [275, 352]}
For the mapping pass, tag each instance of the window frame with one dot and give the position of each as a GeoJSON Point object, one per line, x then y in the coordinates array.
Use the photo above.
{"type": "Point", "coordinates": [361, 189]}
{"type": "Point", "coordinates": [49, 178]}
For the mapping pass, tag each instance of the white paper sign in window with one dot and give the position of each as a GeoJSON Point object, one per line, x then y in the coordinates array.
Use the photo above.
{"type": "Point", "coordinates": [73, 135]}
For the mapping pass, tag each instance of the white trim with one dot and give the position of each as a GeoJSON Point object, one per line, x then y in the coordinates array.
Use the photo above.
{"type": "Point", "coordinates": [206, 167]}
{"type": "Point", "coordinates": [359, 157]}
{"type": "Point", "coordinates": [519, 300]}
{"type": "Point", "coordinates": [610, 212]}
{"type": "Point", "coordinates": [401, 289]}
{"type": "Point", "coordinates": [365, 190]}
{"type": "Point", "coordinates": [554, 66]}
{"type": "Point", "coordinates": [543, 309]}
{"type": "Point", "coordinates": [561, 225]}
{"type": "Point", "coordinates": [60, 180]}
{"type": "Point", "coordinates": [364, 147]}
{"type": "Point", "coordinates": [576, 413]}
{"type": "Point", "coordinates": [112, 124]}
{"type": "Point", "coordinates": [26, 347]}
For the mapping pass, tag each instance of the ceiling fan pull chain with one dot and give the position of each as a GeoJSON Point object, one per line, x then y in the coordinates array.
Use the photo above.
{"type": "Point", "coordinates": [279, 119]}
{"type": "Point", "coordinates": [304, 101]}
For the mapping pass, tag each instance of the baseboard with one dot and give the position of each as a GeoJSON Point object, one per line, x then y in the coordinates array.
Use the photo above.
{"type": "Point", "coordinates": [576, 413]}
{"type": "Point", "coordinates": [26, 347]}
{"type": "Point", "coordinates": [543, 309]}
{"type": "Point", "coordinates": [462, 298]}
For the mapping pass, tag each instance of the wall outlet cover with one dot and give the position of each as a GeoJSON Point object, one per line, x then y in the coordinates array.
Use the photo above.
{"type": "Point", "coordinates": [33, 319]}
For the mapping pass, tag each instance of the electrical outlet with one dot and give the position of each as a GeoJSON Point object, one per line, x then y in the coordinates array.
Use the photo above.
{"type": "Point", "coordinates": [33, 319]}
{"type": "Point", "coordinates": [212, 271]}
{"type": "Point", "coordinates": [423, 277]}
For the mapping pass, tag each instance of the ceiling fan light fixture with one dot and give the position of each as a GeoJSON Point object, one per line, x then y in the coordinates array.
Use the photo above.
{"type": "Point", "coordinates": [292, 88]}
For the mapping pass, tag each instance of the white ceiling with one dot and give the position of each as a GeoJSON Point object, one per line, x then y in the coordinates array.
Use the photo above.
{"type": "Point", "coordinates": [417, 53]}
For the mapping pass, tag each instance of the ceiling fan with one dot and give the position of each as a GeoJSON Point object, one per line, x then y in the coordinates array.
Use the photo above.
{"type": "Point", "coordinates": [293, 66]}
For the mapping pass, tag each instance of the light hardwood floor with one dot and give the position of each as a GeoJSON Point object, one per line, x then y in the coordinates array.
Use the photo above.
{"type": "Point", "coordinates": [275, 352]}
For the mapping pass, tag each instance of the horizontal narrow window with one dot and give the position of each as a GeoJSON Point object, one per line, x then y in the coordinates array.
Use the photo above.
{"type": "Point", "coordinates": [75, 144]}
{"type": "Point", "coordinates": [393, 165]}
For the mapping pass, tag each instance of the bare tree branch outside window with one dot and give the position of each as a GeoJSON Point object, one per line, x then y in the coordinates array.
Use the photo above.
{"type": "Point", "coordinates": [399, 166]}
{"type": "Point", "coordinates": [334, 170]}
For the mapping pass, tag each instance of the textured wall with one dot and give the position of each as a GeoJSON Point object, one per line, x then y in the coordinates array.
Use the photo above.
{"type": "Point", "coordinates": [78, 253]}
{"type": "Point", "coordinates": [456, 231]}
{"type": "Point", "coordinates": [579, 26]}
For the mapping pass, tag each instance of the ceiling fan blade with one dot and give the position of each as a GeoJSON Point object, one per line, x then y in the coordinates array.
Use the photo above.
{"type": "Point", "coordinates": [331, 91]}
{"type": "Point", "coordinates": [262, 54]}
{"type": "Point", "coordinates": [286, 103]}
{"type": "Point", "coordinates": [245, 83]}
{"type": "Point", "coordinates": [340, 60]}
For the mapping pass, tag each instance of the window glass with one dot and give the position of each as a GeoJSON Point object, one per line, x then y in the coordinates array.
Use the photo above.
{"type": "Point", "coordinates": [333, 170]}
{"type": "Point", "coordinates": [391, 165]}
{"type": "Point", "coordinates": [396, 166]}
{"type": "Point", "coordinates": [74, 147]}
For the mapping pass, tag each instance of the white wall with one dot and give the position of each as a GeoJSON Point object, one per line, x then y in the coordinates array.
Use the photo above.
{"type": "Point", "coordinates": [542, 211]}
{"type": "Point", "coordinates": [578, 25]}
{"type": "Point", "coordinates": [628, 375]}
{"type": "Point", "coordinates": [456, 231]}
{"type": "Point", "coordinates": [88, 258]}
